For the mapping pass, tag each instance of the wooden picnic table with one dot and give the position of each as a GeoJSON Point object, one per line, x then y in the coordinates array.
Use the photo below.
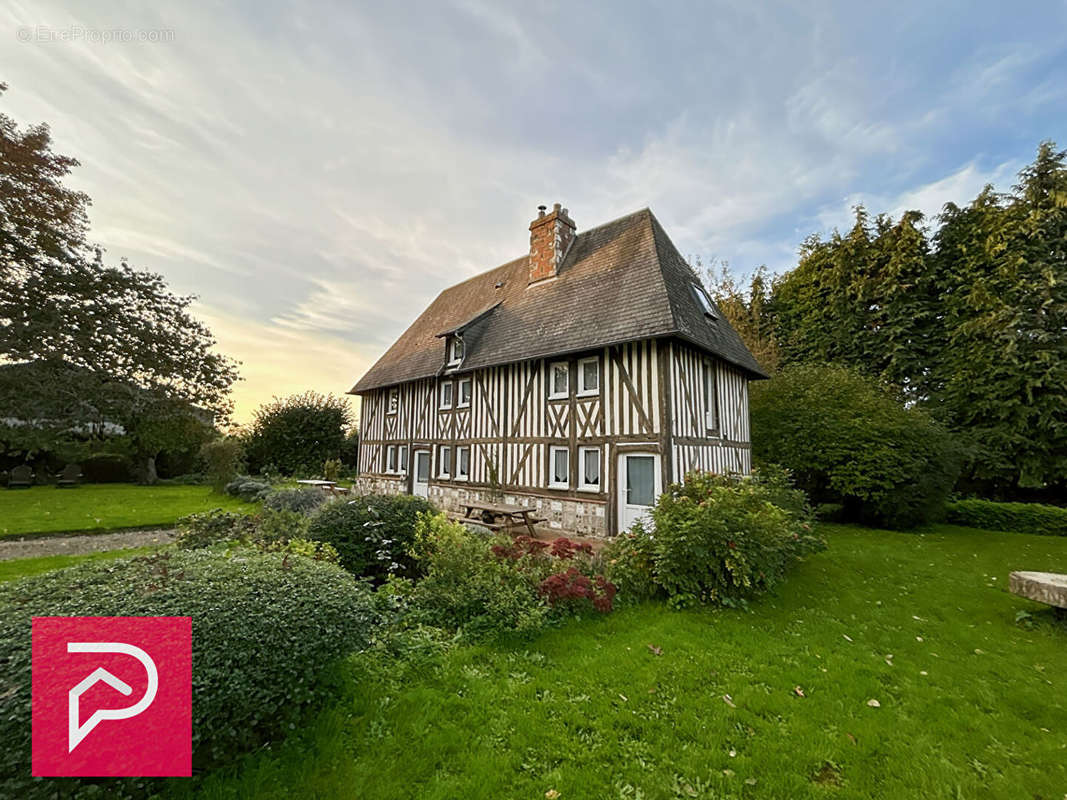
{"type": "Point", "coordinates": [330, 487]}
{"type": "Point", "coordinates": [511, 516]}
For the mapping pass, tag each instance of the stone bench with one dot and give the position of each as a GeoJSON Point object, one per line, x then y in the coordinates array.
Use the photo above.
{"type": "Point", "coordinates": [1044, 587]}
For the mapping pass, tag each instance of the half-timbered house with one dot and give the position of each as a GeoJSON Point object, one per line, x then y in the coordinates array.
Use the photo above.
{"type": "Point", "coordinates": [580, 378]}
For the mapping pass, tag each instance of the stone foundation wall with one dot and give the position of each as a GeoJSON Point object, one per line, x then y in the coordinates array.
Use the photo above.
{"type": "Point", "coordinates": [381, 484]}
{"type": "Point", "coordinates": [578, 517]}
{"type": "Point", "coordinates": [565, 515]}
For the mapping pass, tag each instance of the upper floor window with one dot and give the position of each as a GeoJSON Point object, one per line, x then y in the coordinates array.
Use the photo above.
{"type": "Point", "coordinates": [711, 398]}
{"type": "Point", "coordinates": [446, 395]}
{"type": "Point", "coordinates": [559, 380]}
{"type": "Point", "coordinates": [455, 350]}
{"type": "Point", "coordinates": [705, 302]}
{"type": "Point", "coordinates": [589, 376]}
{"type": "Point", "coordinates": [465, 386]}
{"type": "Point", "coordinates": [393, 403]}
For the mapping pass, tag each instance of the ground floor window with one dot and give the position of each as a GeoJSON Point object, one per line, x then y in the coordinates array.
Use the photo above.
{"type": "Point", "coordinates": [390, 458]}
{"type": "Point", "coordinates": [463, 463]}
{"type": "Point", "coordinates": [444, 461]}
{"type": "Point", "coordinates": [589, 468]}
{"type": "Point", "coordinates": [559, 465]}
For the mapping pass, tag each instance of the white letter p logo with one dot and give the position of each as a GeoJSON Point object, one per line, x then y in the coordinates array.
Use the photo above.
{"type": "Point", "coordinates": [76, 732]}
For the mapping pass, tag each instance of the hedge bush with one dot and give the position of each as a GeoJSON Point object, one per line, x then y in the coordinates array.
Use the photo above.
{"type": "Point", "coordinates": [1021, 517]}
{"type": "Point", "coordinates": [303, 500]}
{"type": "Point", "coordinates": [848, 439]}
{"type": "Point", "coordinates": [249, 489]}
{"type": "Point", "coordinates": [266, 629]}
{"type": "Point", "coordinates": [374, 534]}
{"type": "Point", "coordinates": [717, 539]}
{"type": "Point", "coordinates": [480, 587]}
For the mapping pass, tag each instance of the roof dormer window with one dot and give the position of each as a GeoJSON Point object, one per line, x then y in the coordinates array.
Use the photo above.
{"type": "Point", "coordinates": [455, 351]}
{"type": "Point", "coordinates": [705, 302]}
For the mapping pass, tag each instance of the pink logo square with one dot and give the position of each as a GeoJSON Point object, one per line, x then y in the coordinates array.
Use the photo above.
{"type": "Point", "coordinates": [112, 696]}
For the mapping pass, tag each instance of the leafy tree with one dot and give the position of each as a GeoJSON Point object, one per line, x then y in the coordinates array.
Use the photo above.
{"type": "Point", "coordinates": [969, 321]}
{"type": "Point", "coordinates": [107, 345]}
{"type": "Point", "coordinates": [746, 309]}
{"type": "Point", "coordinates": [849, 439]}
{"type": "Point", "coordinates": [297, 434]}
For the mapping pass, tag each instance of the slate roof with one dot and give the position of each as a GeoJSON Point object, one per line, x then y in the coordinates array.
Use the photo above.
{"type": "Point", "coordinates": [619, 282]}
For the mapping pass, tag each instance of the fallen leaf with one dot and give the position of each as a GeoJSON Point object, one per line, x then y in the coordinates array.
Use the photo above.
{"type": "Point", "coordinates": [656, 651]}
{"type": "Point", "coordinates": [729, 773]}
{"type": "Point", "coordinates": [625, 699]}
{"type": "Point", "coordinates": [733, 754]}
{"type": "Point", "coordinates": [798, 691]}
{"type": "Point", "coordinates": [847, 637]}
{"type": "Point", "coordinates": [551, 794]}
{"type": "Point", "coordinates": [750, 781]}
{"type": "Point", "coordinates": [874, 703]}
{"type": "Point", "coordinates": [729, 700]}
{"type": "Point", "coordinates": [851, 738]}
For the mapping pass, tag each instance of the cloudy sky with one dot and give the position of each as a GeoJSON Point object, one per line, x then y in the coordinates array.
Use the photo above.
{"type": "Point", "coordinates": [316, 172]}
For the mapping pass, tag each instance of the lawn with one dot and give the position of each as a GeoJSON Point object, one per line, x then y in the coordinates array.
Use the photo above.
{"type": "Point", "coordinates": [770, 703]}
{"type": "Point", "coordinates": [24, 567]}
{"type": "Point", "coordinates": [104, 506]}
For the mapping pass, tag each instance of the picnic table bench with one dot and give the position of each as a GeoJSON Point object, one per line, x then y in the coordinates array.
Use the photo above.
{"type": "Point", "coordinates": [497, 516]}
{"type": "Point", "coordinates": [330, 487]}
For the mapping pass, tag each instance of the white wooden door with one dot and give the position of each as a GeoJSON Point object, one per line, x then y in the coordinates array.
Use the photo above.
{"type": "Point", "coordinates": [420, 477]}
{"type": "Point", "coordinates": [639, 486]}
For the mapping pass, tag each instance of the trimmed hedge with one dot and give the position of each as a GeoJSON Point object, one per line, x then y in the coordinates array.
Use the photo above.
{"type": "Point", "coordinates": [266, 629]}
{"type": "Point", "coordinates": [1019, 517]}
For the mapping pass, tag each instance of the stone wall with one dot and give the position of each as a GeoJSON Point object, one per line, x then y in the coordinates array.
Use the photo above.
{"type": "Point", "coordinates": [562, 515]}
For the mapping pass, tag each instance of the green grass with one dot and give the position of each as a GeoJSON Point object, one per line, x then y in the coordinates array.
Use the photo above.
{"type": "Point", "coordinates": [972, 702]}
{"type": "Point", "coordinates": [24, 567]}
{"type": "Point", "coordinates": [104, 506]}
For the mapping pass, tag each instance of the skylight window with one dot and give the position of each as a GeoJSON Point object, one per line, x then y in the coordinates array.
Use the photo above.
{"type": "Point", "coordinates": [704, 301]}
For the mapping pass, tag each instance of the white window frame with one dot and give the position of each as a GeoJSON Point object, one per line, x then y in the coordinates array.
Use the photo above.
{"type": "Point", "coordinates": [460, 474]}
{"type": "Point", "coordinates": [390, 459]}
{"type": "Point", "coordinates": [441, 395]}
{"type": "Point", "coordinates": [582, 485]}
{"type": "Point", "coordinates": [552, 482]}
{"type": "Point", "coordinates": [552, 393]}
{"type": "Point", "coordinates": [402, 459]}
{"type": "Point", "coordinates": [444, 461]}
{"type": "Point", "coordinates": [704, 299]}
{"type": "Point", "coordinates": [392, 401]}
{"type": "Point", "coordinates": [711, 397]}
{"type": "Point", "coordinates": [452, 344]}
{"type": "Point", "coordinates": [583, 390]}
{"type": "Point", "coordinates": [459, 392]}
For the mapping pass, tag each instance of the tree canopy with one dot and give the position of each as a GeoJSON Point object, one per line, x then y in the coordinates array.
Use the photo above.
{"type": "Point", "coordinates": [106, 342]}
{"type": "Point", "coordinates": [967, 316]}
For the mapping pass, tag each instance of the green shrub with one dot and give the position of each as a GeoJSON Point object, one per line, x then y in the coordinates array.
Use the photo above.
{"type": "Point", "coordinates": [717, 539]}
{"type": "Point", "coordinates": [249, 489]}
{"type": "Point", "coordinates": [847, 439]}
{"type": "Point", "coordinates": [373, 533]}
{"type": "Point", "coordinates": [266, 629]}
{"type": "Point", "coordinates": [1021, 517]}
{"type": "Point", "coordinates": [303, 500]}
{"type": "Point", "coordinates": [196, 531]}
{"type": "Point", "coordinates": [331, 469]}
{"type": "Point", "coordinates": [295, 435]}
{"type": "Point", "coordinates": [630, 563]}
{"type": "Point", "coordinates": [469, 590]}
{"type": "Point", "coordinates": [222, 459]}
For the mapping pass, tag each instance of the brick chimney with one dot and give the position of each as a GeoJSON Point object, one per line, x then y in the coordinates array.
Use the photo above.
{"type": "Point", "coordinates": [551, 236]}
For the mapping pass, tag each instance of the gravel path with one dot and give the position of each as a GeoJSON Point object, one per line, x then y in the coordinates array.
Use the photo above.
{"type": "Point", "coordinates": [59, 545]}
